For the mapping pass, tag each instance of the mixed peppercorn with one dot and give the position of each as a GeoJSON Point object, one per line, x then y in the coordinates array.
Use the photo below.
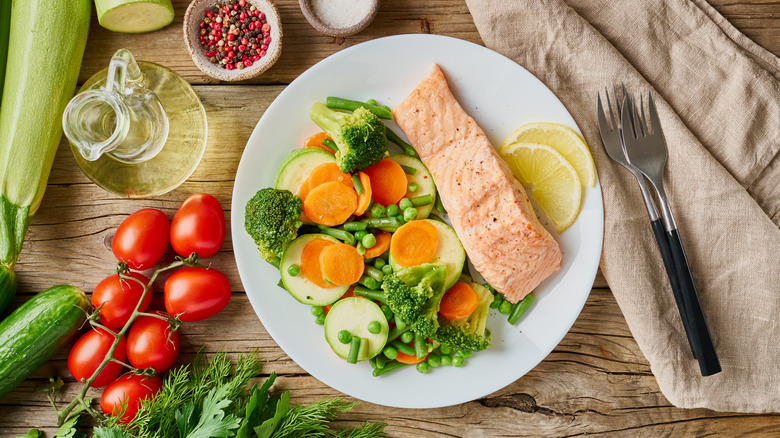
{"type": "Point", "coordinates": [234, 34]}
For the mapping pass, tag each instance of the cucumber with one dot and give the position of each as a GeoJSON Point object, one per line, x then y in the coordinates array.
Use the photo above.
{"type": "Point", "coordinates": [299, 286]}
{"type": "Point", "coordinates": [32, 333]}
{"type": "Point", "coordinates": [424, 180]}
{"type": "Point", "coordinates": [450, 252]}
{"type": "Point", "coordinates": [354, 314]}
{"type": "Point", "coordinates": [134, 16]}
{"type": "Point", "coordinates": [7, 287]}
{"type": "Point", "coordinates": [297, 167]}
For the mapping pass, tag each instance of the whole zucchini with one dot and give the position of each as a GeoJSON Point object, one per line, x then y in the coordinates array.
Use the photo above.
{"type": "Point", "coordinates": [46, 43]}
{"type": "Point", "coordinates": [32, 333]}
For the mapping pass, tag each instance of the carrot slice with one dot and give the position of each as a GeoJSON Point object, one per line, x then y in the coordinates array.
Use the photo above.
{"type": "Point", "coordinates": [330, 204]}
{"type": "Point", "coordinates": [341, 264]}
{"type": "Point", "coordinates": [458, 302]}
{"type": "Point", "coordinates": [328, 172]}
{"type": "Point", "coordinates": [303, 190]}
{"type": "Point", "coordinates": [364, 199]}
{"type": "Point", "coordinates": [414, 243]}
{"type": "Point", "coordinates": [382, 244]}
{"type": "Point", "coordinates": [388, 181]}
{"type": "Point", "coordinates": [315, 141]}
{"type": "Point", "coordinates": [310, 262]}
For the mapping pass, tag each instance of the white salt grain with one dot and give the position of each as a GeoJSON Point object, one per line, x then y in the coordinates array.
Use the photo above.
{"type": "Point", "coordinates": [339, 14]}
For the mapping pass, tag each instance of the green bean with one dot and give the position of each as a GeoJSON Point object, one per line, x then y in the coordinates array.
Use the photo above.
{"type": "Point", "coordinates": [387, 312]}
{"type": "Point", "coordinates": [434, 360]}
{"type": "Point", "coordinates": [422, 367]}
{"type": "Point", "coordinates": [392, 136]}
{"type": "Point", "coordinates": [293, 270]}
{"type": "Point", "coordinates": [378, 210]}
{"type": "Point", "coordinates": [420, 348]}
{"type": "Point", "coordinates": [317, 310]}
{"type": "Point", "coordinates": [410, 214]}
{"type": "Point", "coordinates": [374, 327]}
{"type": "Point", "coordinates": [357, 184]}
{"type": "Point", "coordinates": [407, 337]}
{"type": "Point", "coordinates": [345, 337]}
{"type": "Point", "coordinates": [320, 320]}
{"type": "Point", "coordinates": [374, 273]}
{"type": "Point", "coordinates": [520, 308]}
{"type": "Point", "coordinates": [403, 348]}
{"type": "Point", "coordinates": [354, 349]}
{"type": "Point", "coordinates": [396, 332]}
{"type": "Point", "coordinates": [344, 236]}
{"type": "Point", "coordinates": [437, 204]}
{"type": "Point", "coordinates": [505, 308]}
{"type": "Point", "coordinates": [375, 295]}
{"type": "Point", "coordinates": [419, 201]}
{"type": "Point", "coordinates": [380, 361]}
{"type": "Point", "coordinates": [409, 170]}
{"type": "Point", "coordinates": [400, 323]}
{"type": "Point", "coordinates": [330, 144]}
{"type": "Point", "coordinates": [371, 102]}
{"type": "Point", "coordinates": [276, 262]}
{"type": "Point", "coordinates": [404, 203]}
{"type": "Point", "coordinates": [368, 282]}
{"type": "Point", "coordinates": [390, 352]}
{"type": "Point", "coordinates": [355, 226]}
{"type": "Point", "coordinates": [412, 187]}
{"type": "Point", "coordinates": [390, 366]}
{"type": "Point", "coordinates": [372, 362]}
{"type": "Point", "coordinates": [379, 263]}
{"type": "Point", "coordinates": [387, 269]}
{"type": "Point", "coordinates": [392, 210]}
{"type": "Point", "coordinates": [368, 241]}
{"type": "Point", "coordinates": [352, 105]}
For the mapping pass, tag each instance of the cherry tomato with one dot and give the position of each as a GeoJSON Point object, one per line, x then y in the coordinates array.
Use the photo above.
{"type": "Point", "coordinates": [151, 344]}
{"type": "Point", "coordinates": [196, 293]}
{"type": "Point", "coordinates": [88, 352]}
{"type": "Point", "coordinates": [141, 239]}
{"type": "Point", "coordinates": [119, 297]}
{"type": "Point", "coordinates": [198, 226]}
{"type": "Point", "coordinates": [132, 388]}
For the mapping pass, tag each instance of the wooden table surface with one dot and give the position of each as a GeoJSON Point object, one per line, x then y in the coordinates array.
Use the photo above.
{"type": "Point", "coordinates": [595, 381]}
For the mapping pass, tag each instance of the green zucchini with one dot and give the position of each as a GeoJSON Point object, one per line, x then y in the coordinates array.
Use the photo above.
{"type": "Point", "coordinates": [5, 30]}
{"type": "Point", "coordinates": [31, 334]}
{"type": "Point", "coordinates": [47, 40]}
{"type": "Point", "coordinates": [134, 16]}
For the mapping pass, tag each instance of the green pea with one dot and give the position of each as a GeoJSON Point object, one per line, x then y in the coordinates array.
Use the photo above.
{"type": "Point", "coordinates": [359, 235]}
{"type": "Point", "coordinates": [422, 367]}
{"type": "Point", "coordinates": [407, 337]}
{"type": "Point", "coordinates": [320, 320]}
{"type": "Point", "coordinates": [434, 360]}
{"type": "Point", "coordinates": [505, 308]}
{"type": "Point", "coordinates": [387, 311]}
{"type": "Point", "coordinates": [368, 241]}
{"type": "Point", "coordinates": [377, 210]}
{"type": "Point", "coordinates": [345, 337]}
{"type": "Point", "coordinates": [497, 300]}
{"type": "Point", "coordinates": [294, 270]}
{"type": "Point", "coordinates": [317, 310]}
{"type": "Point", "coordinates": [392, 210]}
{"type": "Point", "coordinates": [410, 214]}
{"type": "Point", "coordinates": [379, 263]}
{"type": "Point", "coordinates": [457, 361]}
{"type": "Point", "coordinates": [387, 269]}
{"type": "Point", "coordinates": [413, 187]}
{"type": "Point", "coordinates": [446, 360]}
{"type": "Point", "coordinates": [445, 350]}
{"type": "Point", "coordinates": [465, 353]}
{"type": "Point", "coordinates": [359, 248]}
{"type": "Point", "coordinates": [390, 352]}
{"type": "Point", "coordinates": [405, 203]}
{"type": "Point", "coordinates": [374, 327]}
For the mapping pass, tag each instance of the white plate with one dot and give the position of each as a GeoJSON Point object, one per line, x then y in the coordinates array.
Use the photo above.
{"type": "Point", "coordinates": [501, 96]}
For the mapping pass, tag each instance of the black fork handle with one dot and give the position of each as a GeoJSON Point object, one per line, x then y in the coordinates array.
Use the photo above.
{"type": "Point", "coordinates": [705, 350]}
{"type": "Point", "coordinates": [674, 279]}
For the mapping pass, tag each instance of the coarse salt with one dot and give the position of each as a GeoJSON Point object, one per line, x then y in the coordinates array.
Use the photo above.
{"type": "Point", "coordinates": [340, 14]}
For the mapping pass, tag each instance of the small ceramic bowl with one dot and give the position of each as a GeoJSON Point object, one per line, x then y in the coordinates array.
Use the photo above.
{"type": "Point", "coordinates": [194, 16]}
{"type": "Point", "coordinates": [318, 24]}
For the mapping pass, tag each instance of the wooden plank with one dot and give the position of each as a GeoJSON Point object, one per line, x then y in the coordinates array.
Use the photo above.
{"type": "Point", "coordinates": [595, 381]}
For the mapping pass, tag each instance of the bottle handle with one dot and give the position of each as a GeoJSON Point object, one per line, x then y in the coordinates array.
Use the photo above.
{"type": "Point", "coordinates": [122, 69]}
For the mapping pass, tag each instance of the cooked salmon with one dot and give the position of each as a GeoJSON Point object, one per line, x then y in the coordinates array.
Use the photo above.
{"type": "Point", "coordinates": [487, 206]}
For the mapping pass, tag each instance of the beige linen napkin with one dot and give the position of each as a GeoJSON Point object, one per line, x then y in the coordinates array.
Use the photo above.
{"type": "Point", "coordinates": [718, 97]}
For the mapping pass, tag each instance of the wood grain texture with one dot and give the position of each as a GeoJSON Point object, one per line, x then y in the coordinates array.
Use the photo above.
{"type": "Point", "coordinates": [595, 382]}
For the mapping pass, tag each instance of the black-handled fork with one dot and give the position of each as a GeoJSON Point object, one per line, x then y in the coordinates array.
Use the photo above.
{"type": "Point", "coordinates": [645, 149]}
{"type": "Point", "coordinates": [613, 144]}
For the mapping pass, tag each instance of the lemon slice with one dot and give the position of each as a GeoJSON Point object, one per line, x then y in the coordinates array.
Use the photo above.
{"type": "Point", "coordinates": [552, 180]}
{"type": "Point", "coordinates": [561, 138]}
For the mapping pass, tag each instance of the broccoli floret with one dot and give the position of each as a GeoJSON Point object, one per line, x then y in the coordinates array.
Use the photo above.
{"type": "Point", "coordinates": [468, 334]}
{"type": "Point", "coordinates": [414, 294]}
{"type": "Point", "coordinates": [360, 136]}
{"type": "Point", "coordinates": [272, 219]}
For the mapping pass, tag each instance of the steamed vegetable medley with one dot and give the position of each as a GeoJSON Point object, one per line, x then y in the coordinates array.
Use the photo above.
{"type": "Point", "coordinates": [347, 224]}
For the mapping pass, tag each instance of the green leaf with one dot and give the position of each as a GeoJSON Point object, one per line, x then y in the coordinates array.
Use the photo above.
{"type": "Point", "coordinates": [35, 433]}
{"type": "Point", "coordinates": [70, 428]}
{"type": "Point", "coordinates": [256, 408]}
{"type": "Point", "coordinates": [268, 427]}
{"type": "Point", "coordinates": [212, 421]}
{"type": "Point", "coordinates": [109, 432]}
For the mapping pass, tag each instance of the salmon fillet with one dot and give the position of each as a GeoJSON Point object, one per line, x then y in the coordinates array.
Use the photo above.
{"type": "Point", "coordinates": [487, 206]}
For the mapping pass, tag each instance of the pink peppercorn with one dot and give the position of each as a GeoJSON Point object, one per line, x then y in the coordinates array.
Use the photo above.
{"type": "Point", "coordinates": [247, 63]}
{"type": "Point", "coordinates": [266, 27]}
